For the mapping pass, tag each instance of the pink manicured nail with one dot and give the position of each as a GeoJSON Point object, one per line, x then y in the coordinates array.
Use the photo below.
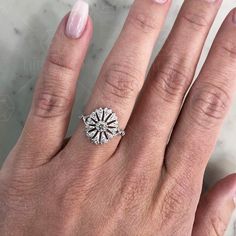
{"type": "Point", "coordinates": [160, 1]}
{"type": "Point", "coordinates": [234, 16]}
{"type": "Point", "coordinates": [77, 20]}
{"type": "Point", "coordinates": [211, 0]}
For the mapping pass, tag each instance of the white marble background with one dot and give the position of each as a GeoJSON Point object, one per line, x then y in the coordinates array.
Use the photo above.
{"type": "Point", "coordinates": [26, 30]}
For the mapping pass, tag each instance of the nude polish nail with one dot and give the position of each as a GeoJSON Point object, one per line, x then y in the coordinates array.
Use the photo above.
{"type": "Point", "coordinates": [234, 17]}
{"type": "Point", "coordinates": [160, 1]}
{"type": "Point", "coordinates": [211, 1]}
{"type": "Point", "coordinates": [77, 20]}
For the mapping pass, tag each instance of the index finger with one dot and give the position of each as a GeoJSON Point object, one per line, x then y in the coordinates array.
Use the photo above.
{"type": "Point", "coordinates": [47, 123]}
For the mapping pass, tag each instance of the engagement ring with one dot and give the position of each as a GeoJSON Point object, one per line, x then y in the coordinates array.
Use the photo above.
{"type": "Point", "coordinates": [101, 126]}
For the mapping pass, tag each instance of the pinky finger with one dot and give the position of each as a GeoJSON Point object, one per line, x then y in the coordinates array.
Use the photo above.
{"type": "Point", "coordinates": [216, 208]}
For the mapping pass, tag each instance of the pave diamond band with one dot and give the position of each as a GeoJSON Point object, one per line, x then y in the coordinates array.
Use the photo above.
{"type": "Point", "coordinates": [102, 125]}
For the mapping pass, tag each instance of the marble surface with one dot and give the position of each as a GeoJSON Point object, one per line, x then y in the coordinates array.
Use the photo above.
{"type": "Point", "coordinates": [26, 31]}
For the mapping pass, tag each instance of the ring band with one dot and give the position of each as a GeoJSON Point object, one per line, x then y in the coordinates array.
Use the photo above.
{"type": "Point", "coordinates": [101, 126]}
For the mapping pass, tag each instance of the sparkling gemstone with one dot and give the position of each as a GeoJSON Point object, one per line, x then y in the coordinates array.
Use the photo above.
{"type": "Point", "coordinates": [87, 127]}
{"type": "Point", "coordinates": [90, 121]}
{"type": "Point", "coordinates": [113, 123]}
{"type": "Point", "coordinates": [101, 126]}
{"type": "Point", "coordinates": [93, 115]}
{"type": "Point", "coordinates": [113, 130]}
{"type": "Point", "coordinates": [108, 111]}
{"type": "Point", "coordinates": [103, 138]}
{"type": "Point", "coordinates": [109, 135]}
{"type": "Point", "coordinates": [112, 117]}
{"type": "Point", "coordinates": [91, 134]}
{"type": "Point", "coordinates": [99, 113]}
{"type": "Point", "coordinates": [96, 139]}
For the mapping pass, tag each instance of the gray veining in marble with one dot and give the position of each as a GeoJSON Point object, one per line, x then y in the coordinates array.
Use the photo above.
{"type": "Point", "coordinates": [26, 30]}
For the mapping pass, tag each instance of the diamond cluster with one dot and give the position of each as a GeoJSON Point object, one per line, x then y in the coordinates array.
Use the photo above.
{"type": "Point", "coordinates": [101, 125]}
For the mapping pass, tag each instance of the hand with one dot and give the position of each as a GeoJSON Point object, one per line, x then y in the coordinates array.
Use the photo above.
{"type": "Point", "coordinates": [148, 182]}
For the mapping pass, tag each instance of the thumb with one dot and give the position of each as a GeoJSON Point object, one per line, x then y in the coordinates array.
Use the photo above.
{"type": "Point", "coordinates": [215, 208]}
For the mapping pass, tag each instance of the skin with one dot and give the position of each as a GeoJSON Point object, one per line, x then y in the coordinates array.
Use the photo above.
{"type": "Point", "coordinates": [150, 181]}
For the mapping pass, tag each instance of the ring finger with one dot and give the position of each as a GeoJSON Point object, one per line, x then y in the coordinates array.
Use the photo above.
{"type": "Point", "coordinates": [123, 73]}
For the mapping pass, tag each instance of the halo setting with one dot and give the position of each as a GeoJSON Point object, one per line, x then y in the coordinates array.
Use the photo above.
{"type": "Point", "coordinates": [102, 125]}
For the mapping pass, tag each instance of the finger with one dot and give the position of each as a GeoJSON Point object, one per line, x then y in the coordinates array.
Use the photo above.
{"type": "Point", "coordinates": [124, 71]}
{"type": "Point", "coordinates": [215, 208]}
{"type": "Point", "coordinates": [208, 102]}
{"type": "Point", "coordinates": [48, 119]}
{"type": "Point", "coordinates": [169, 79]}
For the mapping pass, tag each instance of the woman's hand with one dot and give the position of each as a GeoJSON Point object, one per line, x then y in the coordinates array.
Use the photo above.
{"type": "Point", "coordinates": [149, 182]}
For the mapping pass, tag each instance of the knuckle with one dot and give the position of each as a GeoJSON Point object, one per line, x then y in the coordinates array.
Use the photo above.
{"type": "Point", "coordinates": [56, 77]}
{"type": "Point", "coordinates": [196, 20]}
{"type": "Point", "coordinates": [133, 189]}
{"type": "Point", "coordinates": [17, 190]}
{"type": "Point", "coordinates": [229, 49]}
{"type": "Point", "coordinates": [175, 199]}
{"type": "Point", "coordinates": [173, 207]}
{"type": "Point", "coordinates": [121, 82]}
{"type": "Point", "coordinates": [49, 105]}
{"type": "Point", "coordinates": [171, 82]}
{"type": "Point", "coordinates": [52, 99]}
{"type": "Point", "coordinates": [143, 22]}
{"type": "Point", "coordinates": [56, 74]}
{"type": "Point", "coordinates": [60, 59]}
{"type": "Point", "coordinates": [171, 204]}
{"type": "Point", "coordinates": [137, 187]}
{"type": "Point", "coordinates": [210, 103]}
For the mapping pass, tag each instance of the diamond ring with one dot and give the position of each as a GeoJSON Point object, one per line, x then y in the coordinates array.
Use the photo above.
{"type": "Point", "coordinates": [101, 126]}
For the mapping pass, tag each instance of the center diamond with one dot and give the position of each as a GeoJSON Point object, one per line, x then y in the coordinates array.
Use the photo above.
{"type": "Point", "coordinates": [101, 126]}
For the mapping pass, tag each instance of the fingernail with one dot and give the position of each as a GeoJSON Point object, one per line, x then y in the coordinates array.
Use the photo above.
{"type": "Point", "coordinates": [160, 1]}
{"type": "Point", "coordinates": [77, 20]}
{"type": "Point", "coordinates": [211, 1]}
{"type": "Point", "coordinates": [234, 16]}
